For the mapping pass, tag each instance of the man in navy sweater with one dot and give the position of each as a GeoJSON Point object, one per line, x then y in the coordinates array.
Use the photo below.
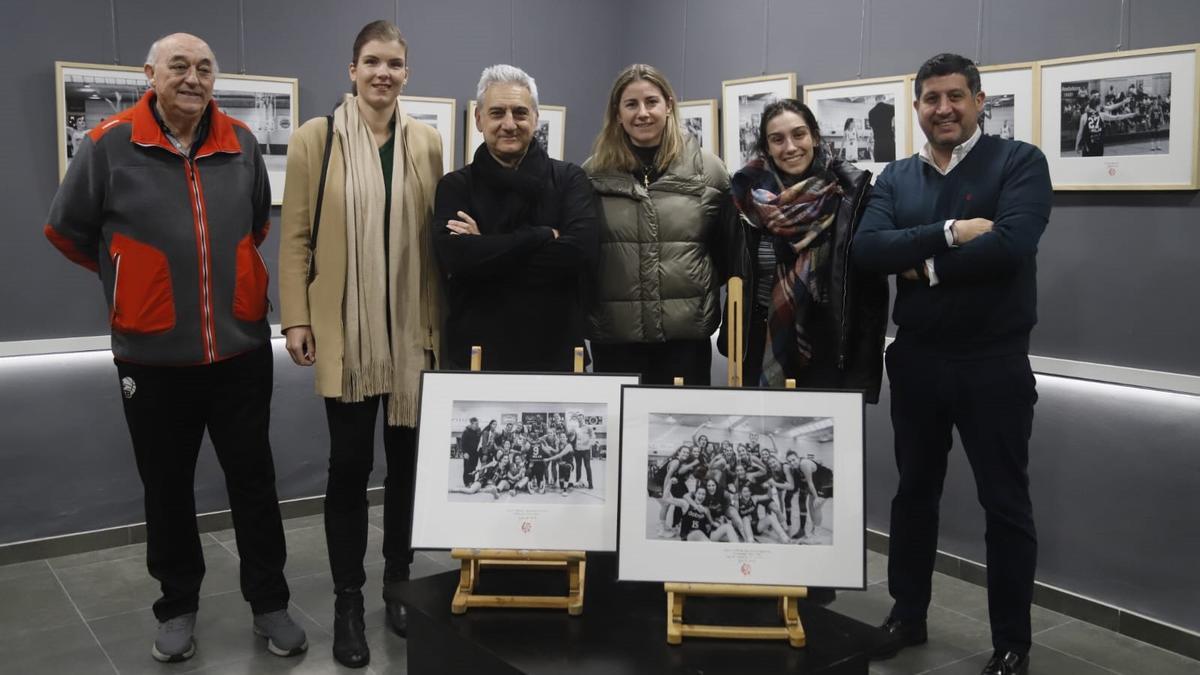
{"type": "Point", "coordinates": [959, 224]}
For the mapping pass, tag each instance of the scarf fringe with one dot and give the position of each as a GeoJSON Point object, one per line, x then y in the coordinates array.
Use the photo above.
{"type": "Point", "coordinates": [371, 379]}
{"type": "Point", "coordinates": [402, 410]}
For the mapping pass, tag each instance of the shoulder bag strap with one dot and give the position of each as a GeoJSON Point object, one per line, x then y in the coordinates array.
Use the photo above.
{"type": "Point", "coordinates": [316, 226]}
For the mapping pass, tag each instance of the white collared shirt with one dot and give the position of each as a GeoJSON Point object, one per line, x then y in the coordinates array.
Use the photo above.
{"type": "Point", "coordinates": [956, 157]}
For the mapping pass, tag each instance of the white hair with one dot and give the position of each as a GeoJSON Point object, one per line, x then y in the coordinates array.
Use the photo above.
{"type": "Point", "coordinates": [502, 73]}
{"type": "Point", "coordinates": [152, 53]}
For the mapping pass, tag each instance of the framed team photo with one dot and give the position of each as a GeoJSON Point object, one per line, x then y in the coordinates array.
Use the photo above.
{"type": "Point", "coordinates": [1122, 121]}
{"type": "Point", "coordinates": [439, 114]}
{"type": "Point", "coordinates": [551, 131]}
{"type": "Point", "coordinates": [1010, 108]}
{"type": "Point", "coordinates": [751, 486]}
{"type": "Point", "coordinates": [743, 101]}
{"type": "Point", "coordinates": [863, 121]}
{"type": "Point", "coordinates": [699, 118]}
{"type": "Point", "coordinates": [88, 93]}
{"type": "Point", "coordinates": [518, 461]}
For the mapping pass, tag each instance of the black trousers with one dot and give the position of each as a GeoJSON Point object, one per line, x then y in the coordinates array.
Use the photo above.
{"type": "Point", "coordinates": [657, 362]}
{"type": "Point", "coordinates": [351, 456]}
{"type": "Point", "coordinates": [583, 462]}
{"type": "Point", "coordinates": [990, 401]}
{"type": "Point", "coordinates": [167, 410]}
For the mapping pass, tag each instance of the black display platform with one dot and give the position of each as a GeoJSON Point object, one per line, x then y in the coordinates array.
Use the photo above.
{"type": "Point", "coordinates": [622, 631]}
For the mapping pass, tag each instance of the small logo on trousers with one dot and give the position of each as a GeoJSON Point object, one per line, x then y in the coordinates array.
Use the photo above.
{"type": "Point", "coordinates": [128, 387]}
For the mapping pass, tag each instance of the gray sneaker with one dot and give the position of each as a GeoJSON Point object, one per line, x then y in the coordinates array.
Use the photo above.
{"type": "Point", "coordinates": [284, 637]}
{"type": "Point", "coordinates": [174, 640]}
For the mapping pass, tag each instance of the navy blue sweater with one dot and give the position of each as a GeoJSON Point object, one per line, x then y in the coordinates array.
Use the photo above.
{"type": "Point", "coordinates": [986, 298]}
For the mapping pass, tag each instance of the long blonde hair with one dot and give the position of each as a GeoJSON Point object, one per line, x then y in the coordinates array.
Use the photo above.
{"type": "Point", "coordinates": [611, 151]}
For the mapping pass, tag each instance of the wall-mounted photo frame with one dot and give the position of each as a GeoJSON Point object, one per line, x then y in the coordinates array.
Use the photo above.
{"type": "Point", "coordinates": [551, 131]}
{"type": "Point", "coordinates": [1122, 120]}
{"type": "Point", "coordinates": [439, 114]}
{"type": "Point", "coordinates": [562, 492]}
{"type": "Point", "coordinates": [751, 486]}
{"type": "Point", "coordinates": [1011, 107]}
{"type": "Point", "coordinates": [87, 93]}
{"type": "Point", "coordinates": [699, 118]}
{"type": "Point", "coordinates": [742, 101]}
{"type": "Point", "coordinates": [863, 121]}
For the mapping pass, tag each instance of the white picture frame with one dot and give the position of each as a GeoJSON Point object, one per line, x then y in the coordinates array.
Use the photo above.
{"type": "Point", "coordinates": [439, 114]}
{"type": "Point", "coordinates": [827, 424]}
{"type": "Point", "coordinates": [845, 110]}
{"type": "Point", "coordinates": [552, 130]}
{"type": "Point", "coordinates": [1012, 106]}
{"type": "Point", "coordinates": [584, 519]}
{"type": "Point", "coordinates": [699, 118]}
{"type": "Point", "coordinates": [1148, 150]}
{"type": "Point", "coordinates": [742, 101]}
{"type": "Point", "coordinates": [87, 93]}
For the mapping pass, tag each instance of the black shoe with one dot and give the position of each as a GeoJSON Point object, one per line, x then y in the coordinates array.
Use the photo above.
{"type": "Point", "coordinates": [397, 618]}
{"type": "Point", "coordinates": [1007, 663]}
{"type": "Point", "coordinates": [349, 632]}
{"type": "Point", "coordinates": [899, 634]}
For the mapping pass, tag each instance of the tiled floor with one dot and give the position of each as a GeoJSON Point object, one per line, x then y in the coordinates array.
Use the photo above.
{"type": "Point", "coordinates": [89, 613]}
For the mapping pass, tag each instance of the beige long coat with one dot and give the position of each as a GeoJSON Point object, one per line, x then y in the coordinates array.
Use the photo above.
{"type": "Point", "coordinates": [319, 305]}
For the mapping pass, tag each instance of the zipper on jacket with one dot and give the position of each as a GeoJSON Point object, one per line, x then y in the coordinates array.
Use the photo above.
{"type": "Point", "coordinates": [854, 215]}
{"type": "Point", "coordinates": [116, 279]}
{"type": "Point", "coordinates": [207, 329]}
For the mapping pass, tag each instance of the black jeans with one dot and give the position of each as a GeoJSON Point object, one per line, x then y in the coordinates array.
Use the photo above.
{"type": "Point", "coordinates": [657, 362]}
{"type": "Point", "coordinates": [990, 401]}
{"type": "Point", "coordinates": [351, 456]}
{"type": "Point", "coordinates": [167, 409]}
{"type": "Point", "coordinates": [583, 462]}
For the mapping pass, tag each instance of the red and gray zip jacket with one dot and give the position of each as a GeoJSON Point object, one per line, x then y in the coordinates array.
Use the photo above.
{"type": "Point", "coordinates": [174, 239]}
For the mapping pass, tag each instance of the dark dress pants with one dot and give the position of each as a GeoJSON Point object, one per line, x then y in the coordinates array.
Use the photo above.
{"type": "Point", "coordinates": [351, 457]}
{"type": "Point", "coordinates": [990, 401]}
{"type": "Point", "coordinates": [167, 409]}
{"type": "Point", "coordinates": [657, 362]}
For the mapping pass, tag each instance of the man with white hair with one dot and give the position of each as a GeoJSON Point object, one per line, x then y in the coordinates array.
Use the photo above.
{"type": "Point", "coordinates": [167, 201]}
{"type": "Point", "coordinates": [515, 234]}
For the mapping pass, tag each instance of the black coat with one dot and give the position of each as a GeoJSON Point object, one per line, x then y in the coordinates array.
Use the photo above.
{"type": "Point", "coordinates": [514, 289]}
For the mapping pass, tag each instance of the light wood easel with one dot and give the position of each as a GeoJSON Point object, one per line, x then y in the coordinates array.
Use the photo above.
{"type": "Point", "coordinates": [473, 560]}
{"type": "Point", "coordinates": [792, 629]}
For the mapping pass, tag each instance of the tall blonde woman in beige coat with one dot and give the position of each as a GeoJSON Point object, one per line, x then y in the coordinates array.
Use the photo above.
{"type": "Point", "coordinates": [366, 317]}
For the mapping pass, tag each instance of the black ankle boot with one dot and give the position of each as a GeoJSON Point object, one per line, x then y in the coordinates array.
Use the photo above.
{"type": "Point", "coordinates": [349, 632]}
{"type": "Point", "coordinates": [394, 574]}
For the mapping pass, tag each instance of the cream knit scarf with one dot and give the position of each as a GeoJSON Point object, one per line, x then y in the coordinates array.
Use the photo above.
{"type": "Point", "coordinates": [371, 365]}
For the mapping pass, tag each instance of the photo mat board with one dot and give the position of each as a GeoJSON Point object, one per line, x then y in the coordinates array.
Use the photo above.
{"type": "Point", "coordinates": [699, 118]}
{"type": "Point", "coordinates": [1010, 107]}
{"type": "Point", "coordinates": [1122, 121]}
{"type": "Point", "coordinates": [742, 102]}
{"type": "Point", "coordinates": [863, 121]}
{"type": "Point", "coordinates": [551, 131]}
{"type": "Point", "coordinates": [439, 114]}
{"type": "Point", "coordinates": [563, 496]}
{"type": "Point", "coordinates": [87, 93]}
{"type": "Point", "coordinates": [819, 433]}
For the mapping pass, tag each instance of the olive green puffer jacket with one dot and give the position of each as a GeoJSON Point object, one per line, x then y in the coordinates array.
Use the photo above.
{"type": "Point", "coordinates": [665, 251]}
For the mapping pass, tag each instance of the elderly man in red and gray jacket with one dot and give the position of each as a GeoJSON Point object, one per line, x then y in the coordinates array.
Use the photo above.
{"type": "Point", "coordinates": [168, 201]}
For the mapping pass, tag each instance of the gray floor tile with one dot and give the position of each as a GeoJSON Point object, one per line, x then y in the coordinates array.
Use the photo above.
{"type": "Point", "coordinates": [54, 651]}
{"type": "Point", "coordinates": [442, 559]}
{"type": "Point", "coordinates": [307, 554]}
{"type": "Point", "coordinates": [102, 589]}
{"type": "Point", "coordinates": [870, 606]}
{"type": "Point", "coordinates": [1114, 651]}
{"type": "Point", "coordinates": [314, 595]}
{"type": "Point", "coordinates": [959, 596]}
{"type": "Point", "coordinates": [876, 567]}
{"type": "Point", "coordinates": [952, 637]}
{"type": "Point", "coordinates": [316, 661]}
{"type": "Point", "coordinates": [224, 637]}
{"type": "Point", "coordinates": [389, 652]}
{"type": "Point", "coordinates": [34, 602]}
{"type": "Point", "coordinates": [317, 520]}
{"type": "Point", "coordinates": [1040, 619]}
{"type": "Point", "coordinates": [1042, 661]}
{"type": "Point", "coordinates": [22, 569]}
{"type": "Point", "coordinates": [137, 551]}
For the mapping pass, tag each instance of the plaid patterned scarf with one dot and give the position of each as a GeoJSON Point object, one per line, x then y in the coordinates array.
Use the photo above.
{"type": "Point", "coordinates": [797, 219]}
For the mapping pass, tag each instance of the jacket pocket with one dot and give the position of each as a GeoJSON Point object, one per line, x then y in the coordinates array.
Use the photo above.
{"type": "Point", "coordinates": [250, 287]}
{"type": "Point", "coordinates": [143, 300]}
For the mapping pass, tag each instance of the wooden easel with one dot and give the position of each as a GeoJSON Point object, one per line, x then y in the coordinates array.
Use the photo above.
{"type": "Point", "coordinates": [792, 629]}
{"type": "Point", "coordinates": [475, 560]}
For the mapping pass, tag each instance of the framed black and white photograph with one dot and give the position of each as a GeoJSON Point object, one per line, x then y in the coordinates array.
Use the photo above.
{"type": "Point", "coordinates": [551, 131]}
{"type": "Point", "coordinates": [699, 118]}
{"type": "Point", "coordinates": [1121, 121]}
{"type": "Point", "coordinates": [752, 486]}
{"type": "Point", "coordinates": [743, 101]}
{"type": "Point", "coordinates": [863, 121]}
{"type": "Point", "coordinates": [439, 114]}
{"type": "Point", "coordinates": [518, 461]}
{"type": "Point", "coordinates": [88, 93]}
{"type": "Point", "coordinates": [1010, 105]}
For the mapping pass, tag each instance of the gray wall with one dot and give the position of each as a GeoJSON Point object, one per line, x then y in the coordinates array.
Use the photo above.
{"type": "Point", "coordinates": [1114, 468]}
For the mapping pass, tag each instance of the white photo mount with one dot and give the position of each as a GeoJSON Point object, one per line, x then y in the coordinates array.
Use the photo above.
{"type": "Point", "coordinates": [552, 122]}
{"type": "Point", "coordinates": [836, 103]}
{"type": "Point", "coordinates": [700, 119]}
{"type": "Point", "coordinates": [1016, 87]}
{"type": "Point", "coordinates": [439, 114]}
